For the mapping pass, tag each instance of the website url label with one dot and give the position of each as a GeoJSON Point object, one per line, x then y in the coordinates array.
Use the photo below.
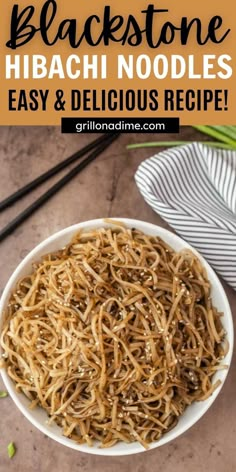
{"type": "Point", "coordinates": [123, 125]}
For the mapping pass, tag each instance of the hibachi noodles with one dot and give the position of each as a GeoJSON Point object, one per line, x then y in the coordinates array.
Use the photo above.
{"type": "Point", "coordinates": [114, 336]}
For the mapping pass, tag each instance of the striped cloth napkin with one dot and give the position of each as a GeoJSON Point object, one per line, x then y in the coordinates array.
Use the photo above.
{"type": "Point", "coordinates": [194, 189]}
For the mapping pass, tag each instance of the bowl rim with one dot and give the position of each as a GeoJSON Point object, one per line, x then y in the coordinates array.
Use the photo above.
{"type": "Point", "coordinates": [136, 447]}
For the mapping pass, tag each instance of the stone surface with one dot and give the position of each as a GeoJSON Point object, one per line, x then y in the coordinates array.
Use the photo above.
{"type": "Point", "coordinates": [105, 188]}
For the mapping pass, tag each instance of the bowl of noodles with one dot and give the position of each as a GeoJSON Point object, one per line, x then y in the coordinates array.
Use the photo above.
{"type": "Point", "coordinates": [116, 337]}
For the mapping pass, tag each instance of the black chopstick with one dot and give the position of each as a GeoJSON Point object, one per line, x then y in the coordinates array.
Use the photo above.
{"type": "Point", "coordinates": [10, 227]}
{"type": "Point", "coordinates": [50, 173]}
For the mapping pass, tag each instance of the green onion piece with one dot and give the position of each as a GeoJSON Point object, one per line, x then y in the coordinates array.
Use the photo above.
{"type": "Point", "coordinates": [225, 137]}
{"type": "Point", "coordinates": [11, 450]}
{"type": "Point", "coordinates": [180, 143]}
{"type": "Point", "coordinates": [229, 131]}
{"type": "Point", "coordinates": [157, 144]}
{"type": "Point", "coordinates": [232, 127]}
{"type": "Point", "coordinates": [3, 394]}
{"type": "Point", "coordinates": [212, 131]}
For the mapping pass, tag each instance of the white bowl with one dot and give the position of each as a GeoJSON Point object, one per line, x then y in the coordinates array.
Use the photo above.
{"type": "Point", "coordinates": [193, 413]}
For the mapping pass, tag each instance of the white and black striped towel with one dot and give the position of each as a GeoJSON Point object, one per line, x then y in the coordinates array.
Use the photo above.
{"type": "Point", "coordinates": [194, 189]}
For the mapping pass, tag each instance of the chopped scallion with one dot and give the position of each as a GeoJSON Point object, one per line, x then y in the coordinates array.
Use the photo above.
{"type": "Point", "coordinates": [3, 394]}
{"type": "Point", "coordinates": [11, 450]}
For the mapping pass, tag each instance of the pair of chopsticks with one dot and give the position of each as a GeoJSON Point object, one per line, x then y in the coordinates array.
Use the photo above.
{"type": "Point", "coordinates": [95, 148]}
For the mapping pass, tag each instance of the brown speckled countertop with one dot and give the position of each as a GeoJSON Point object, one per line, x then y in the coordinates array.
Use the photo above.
{"type": "Point", "coordinates": [105, 188]}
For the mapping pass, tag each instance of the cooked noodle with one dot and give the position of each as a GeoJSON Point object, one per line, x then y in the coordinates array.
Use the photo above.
{"type": "Point", "coordinates": [114, 336]}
